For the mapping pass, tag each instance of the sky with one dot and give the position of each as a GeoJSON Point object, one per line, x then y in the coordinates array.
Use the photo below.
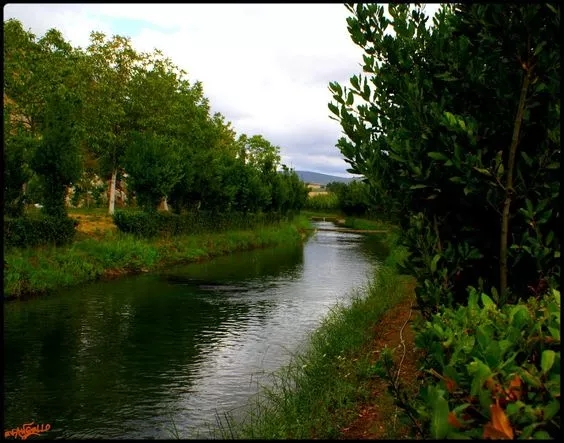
{"type": "Point", "coordinates": [265, 67]}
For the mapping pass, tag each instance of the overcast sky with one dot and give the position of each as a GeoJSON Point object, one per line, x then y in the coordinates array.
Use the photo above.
{"type": "Point", "coordinates": [266, 68]}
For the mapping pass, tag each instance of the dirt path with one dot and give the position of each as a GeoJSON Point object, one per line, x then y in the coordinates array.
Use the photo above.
{"type": "Point", "coordinates": [378, 418]}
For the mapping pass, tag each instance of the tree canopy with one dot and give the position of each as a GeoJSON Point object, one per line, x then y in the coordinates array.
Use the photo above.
{"type": "Point", "coordinates": [112, 111]}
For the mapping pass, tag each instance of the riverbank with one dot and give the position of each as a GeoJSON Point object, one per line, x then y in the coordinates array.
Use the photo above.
{"type": "Point", "coordinates": [36, 271]}
{"type": "Point", "coordinates": [324, 392]}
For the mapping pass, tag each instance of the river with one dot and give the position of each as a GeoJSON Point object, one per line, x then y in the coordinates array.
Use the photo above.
{"type": "Point", "coordinates": [137, 356]}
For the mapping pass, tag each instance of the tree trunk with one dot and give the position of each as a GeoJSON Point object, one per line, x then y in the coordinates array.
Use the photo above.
{"type": "Point", "coordinates": [509, 188]}
{"type": "Point", "coordinates": [112, 199]}
{"type": "Point", "coordinates": [164, 204]}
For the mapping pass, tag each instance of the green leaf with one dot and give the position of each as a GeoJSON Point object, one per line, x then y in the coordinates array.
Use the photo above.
{"type": "Point", "coordinates": [455, 179]}
{"type": "Point", "coordinates": [542, 435]}
{"type": "Point", "coordinates": [434, 262]}
{"type": "Point", "coordinates": [529, 378]}
{"type": "Point", "coordinates": [551, 409]}
{"type": "Point", "coordinates": [451, 119]}
{"type": "Point", "coordinates": [447, 77]}
{"type": "Point", "coordinates": [437, 156]}
{"type": "Point", "coordinates": [547, 360]}
{"type": "Point", "coordinates": [355, 83]}
{"type": "Point", "coordinates": [439, 420]}
{"type": "Point", "coordinates": [493, 354]}
{"type": "Point", "coordinates": [418, 186]}
{"type": "Point", "coordinates": [554, 333]}
{"type": "Point", "coordinates": [350, 98]}
{"type": "Point", "coordinates": [487, 302]}
{"type": "Point", "coordinates": [538, 49]}
{"type": "Point", "coordinates": [552, 8]}
{"type": "Point", "coordinates": [528, 430]}
{"type": "Point", "coordinates": [483, 335]}
{"type": "Point", "coordinates": [527, 159]}
{"type": "Point", "coordinates": [333, 108]}
{"type": "Point", "coordinates": [483, 171]}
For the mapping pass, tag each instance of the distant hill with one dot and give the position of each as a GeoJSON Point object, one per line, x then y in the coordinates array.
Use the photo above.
{"type": "Point", "coordinates": [322, 179]}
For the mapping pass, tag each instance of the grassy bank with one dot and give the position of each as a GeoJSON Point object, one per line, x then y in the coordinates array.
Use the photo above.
{"type": "Point", "coordinates": [365, 224]}
{"type": "Point", "coordinates": [319, 213]}
{"type": "Point", "coordinates": [317, 394]}
{"type": "Point", "coordinates": [38, 270]}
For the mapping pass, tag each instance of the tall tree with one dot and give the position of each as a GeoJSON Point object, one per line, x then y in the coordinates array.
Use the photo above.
{"type": "Point", "coordinates": [454, 127]}
{"type": "Point", "coordinates": [154, 163]}
{"type": "Point", "coordinates": [57, 159]}
{"type": "Point", "coordinates": [18, 145]}
{"type": "Point", "coordinates": [111, 62]}
{"type": "Point", "coordinates": [34, 69]}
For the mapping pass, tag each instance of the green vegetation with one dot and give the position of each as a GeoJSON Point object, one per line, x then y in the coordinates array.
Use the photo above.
{"type": "Point", "coordinates": [77, 119]}
{"type": "Point", "coordinates": [322, 202]}
{"type": "Point", "coordinates": [36, 270]}
{"type": "Point", "coordinates": [352, 198]}
{"type": "Point", "coordinates": [456, 129]}
{"type": "Point", "coordinates": [151, 224]}
{"type": "Point", "coordinates": [348, 198]}
{"type": "Point", "coordinates": [367, 224]}
{"type": "Point", "coordinates": [118, 115]}
{"type": "Point", "coordinates": [33, 231]}
{"type": "Point", "coordinates": [315, 395]}
{"type": "Point", "coordinates": [462, 144]}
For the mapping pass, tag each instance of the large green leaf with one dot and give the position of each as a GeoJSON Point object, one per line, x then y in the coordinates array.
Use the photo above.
{"type": "Point", "coordinates": [439, 421]}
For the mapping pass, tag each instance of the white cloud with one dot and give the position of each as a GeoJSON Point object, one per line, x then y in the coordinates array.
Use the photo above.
{"type": "Point", "coordinates": [265, 67]}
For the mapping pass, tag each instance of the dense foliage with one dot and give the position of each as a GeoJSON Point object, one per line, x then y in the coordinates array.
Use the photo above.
{"type": "Point", "coordinates": [75, 115]}
{"type": "Point", "coordinates": [497, 369]}
{"type": "Point", "coordinates": [23, 232]}
{"type": "Point", "coordinates": [456, 129]}
{"type": "Point", "coordinates": [322, 202]}
{"type": "Point", "coordinates": [151, 224]}
{"type": "Point", "coordinates": [353, 197]}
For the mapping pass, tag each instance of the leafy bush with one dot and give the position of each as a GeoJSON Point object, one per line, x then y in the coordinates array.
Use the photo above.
{"type": "Point", "coordinates": [496, 370]}
{"type": "Point", "coordinates": [140, 223]}
{"type": "Point", "coordinates": [32, 231]}
{"type": "Point", "coordinates": [456, 128]}
{"type": "Point", "coordinates": [147, 224]}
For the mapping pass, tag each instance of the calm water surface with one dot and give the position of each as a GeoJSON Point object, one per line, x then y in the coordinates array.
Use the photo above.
{"type": "Point", "coordinates": [130, 357]}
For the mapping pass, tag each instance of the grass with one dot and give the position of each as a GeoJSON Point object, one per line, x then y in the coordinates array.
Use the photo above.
{"type": "Point", "coordinates": [365, 224]}
{"type": "Point", "coordinates": [111, 253]}
{"type": "Point", "coordinates": [316, 394]}
{"type": "Point", "coordinates": [332, 214]}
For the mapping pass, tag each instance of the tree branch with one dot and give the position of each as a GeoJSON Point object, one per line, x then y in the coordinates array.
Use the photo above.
{"type": "Point", "coordinates": [503, 251]}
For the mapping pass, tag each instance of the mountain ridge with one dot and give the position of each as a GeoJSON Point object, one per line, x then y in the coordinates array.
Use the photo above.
{"type": "Point", "coordinates": [322, 179]}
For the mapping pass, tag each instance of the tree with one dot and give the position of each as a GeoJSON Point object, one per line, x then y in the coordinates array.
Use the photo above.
{"type": "Point", "coordinates": [18, 144]}
{"type": "Point", "coordinates": [154, 164]}
{"type": "Point", "coordinates": [33, 70]}
{"type": "Point", "coordinates": [454, 128]}
{"type": "Point", "coordinates": [109, 71]}
{"type": "Point", "coordinates": [57, 159]}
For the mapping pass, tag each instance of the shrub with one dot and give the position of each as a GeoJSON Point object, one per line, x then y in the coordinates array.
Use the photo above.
{"type": "Point", "coordinates": [151, 224]}
{"type": "Point", "coordinates": [33, 231]}
{"type": "Point", "coordinates": [497, 370]}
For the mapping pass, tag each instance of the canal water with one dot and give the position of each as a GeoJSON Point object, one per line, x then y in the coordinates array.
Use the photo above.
{"type": "Point", "coordinates": [141, 356]}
